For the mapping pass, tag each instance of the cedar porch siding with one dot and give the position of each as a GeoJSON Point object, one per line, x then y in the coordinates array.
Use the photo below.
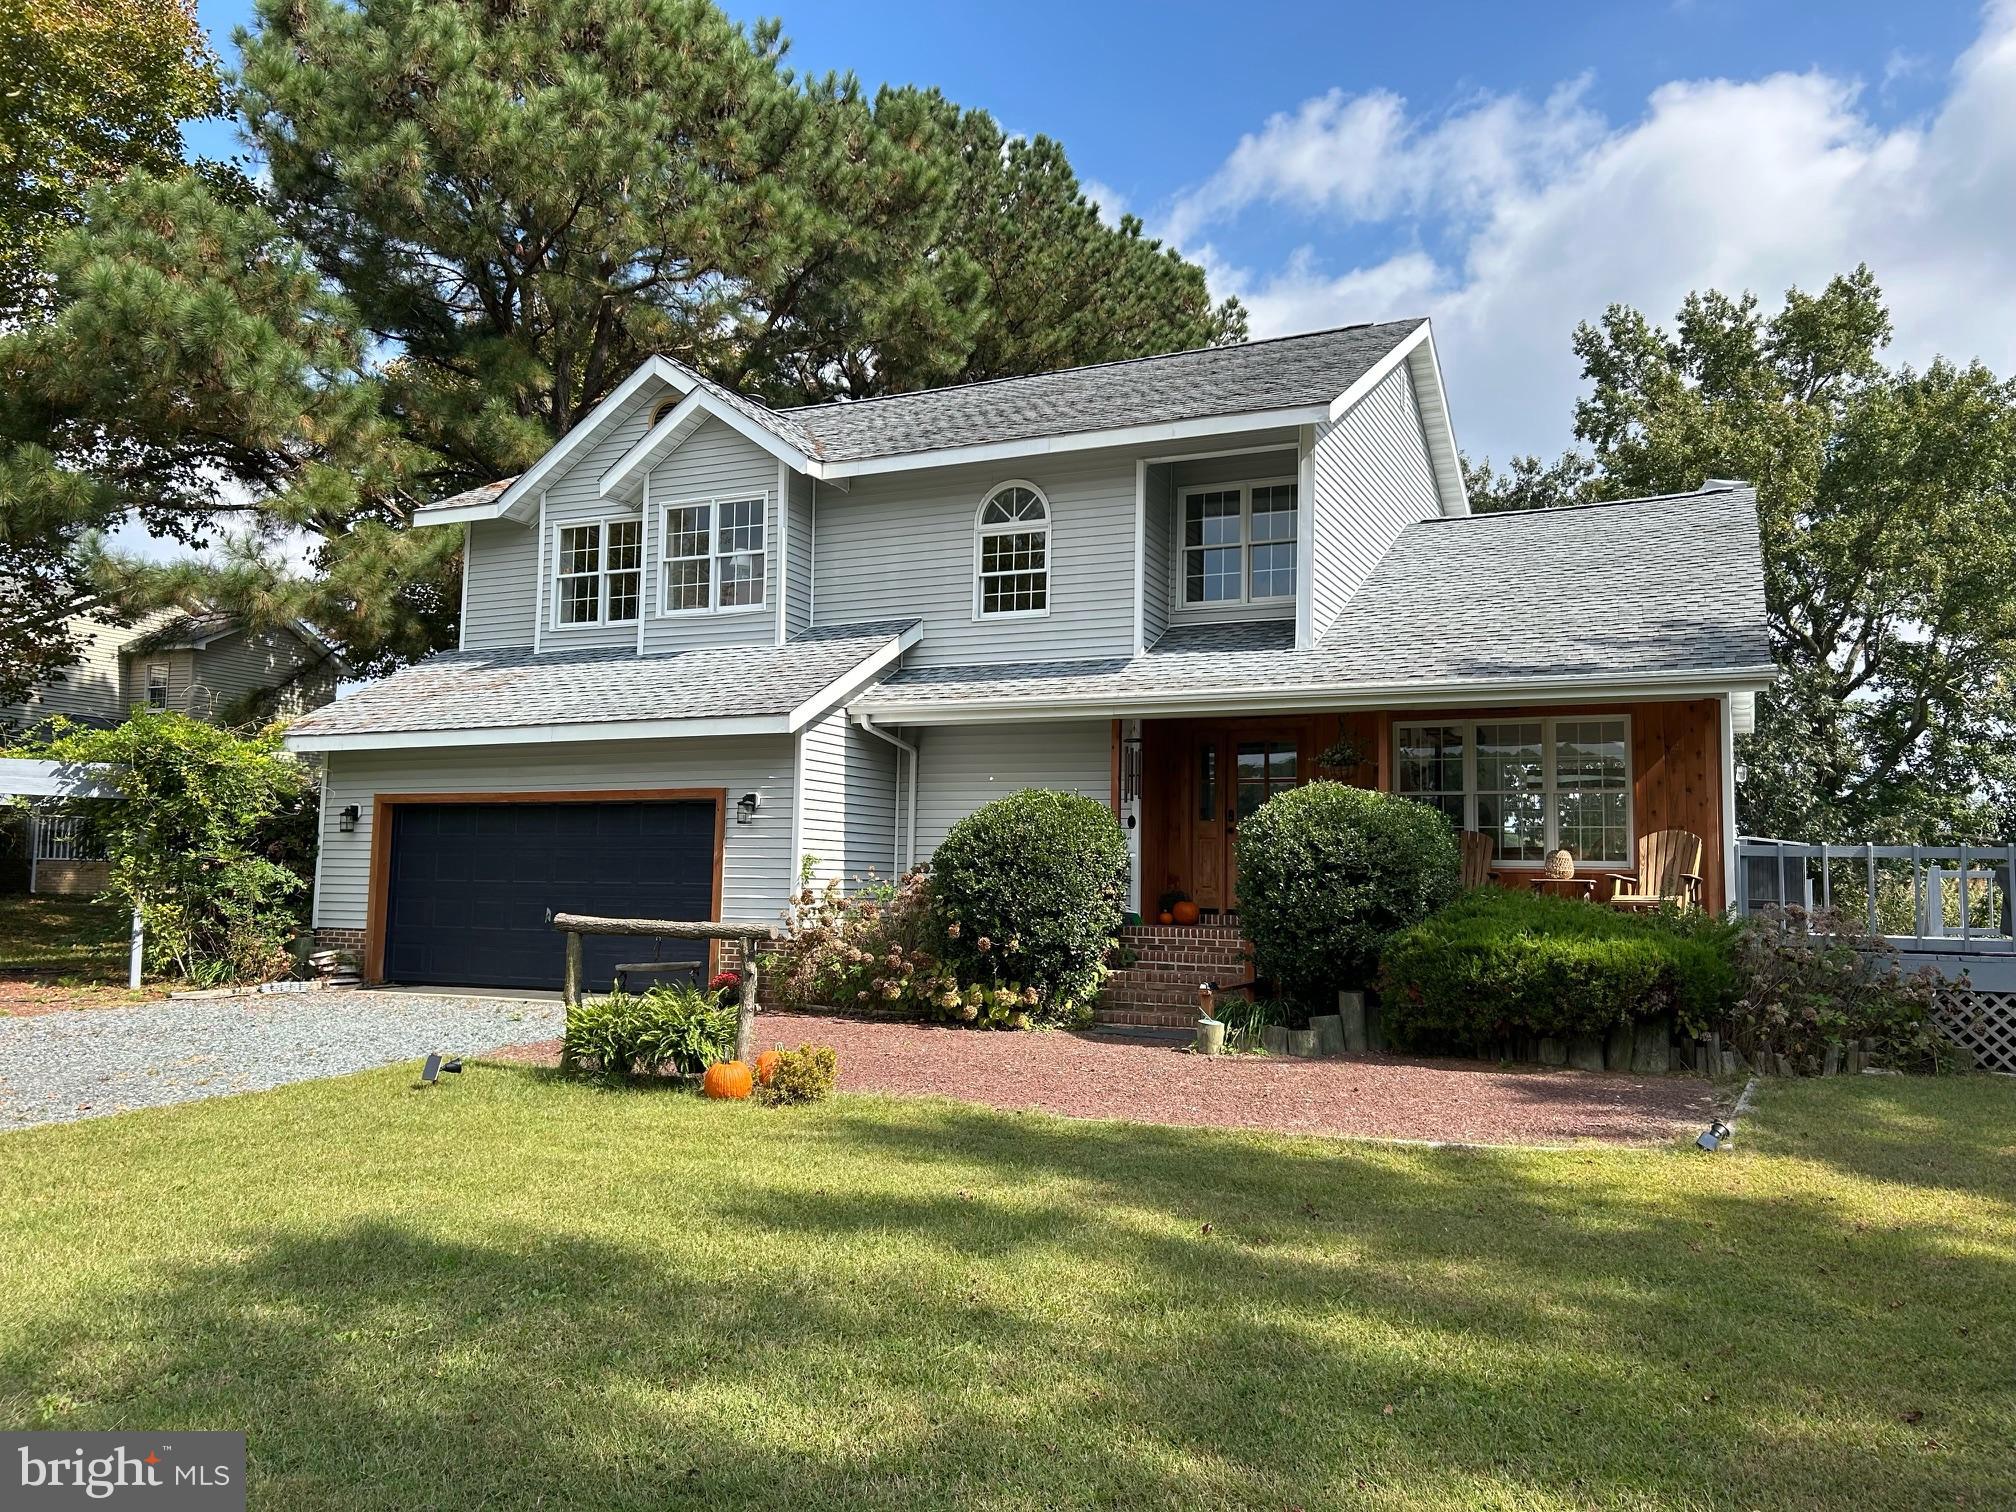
{"type": "Point", "coordinates": [1675, 774]}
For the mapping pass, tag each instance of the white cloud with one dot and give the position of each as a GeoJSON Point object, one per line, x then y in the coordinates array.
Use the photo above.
{"type": "Point", "coordinates": [1549, 214]}
{"type": "Point", "coordinates": [1110, 202]}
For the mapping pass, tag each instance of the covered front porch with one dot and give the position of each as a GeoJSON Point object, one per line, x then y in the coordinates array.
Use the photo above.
{"type": "Point", "coordinates": [1594, 777]}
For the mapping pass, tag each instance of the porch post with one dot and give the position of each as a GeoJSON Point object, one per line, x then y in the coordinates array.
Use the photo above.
{"type": "Point", "coordinates": [1128, 733]}
{"type": "Point", "coordinates": [1726, 710]}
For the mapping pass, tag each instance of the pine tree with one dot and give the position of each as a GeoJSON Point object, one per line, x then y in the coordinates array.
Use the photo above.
{"type": "Point", "coordinates": [99, 89]}
{"type": "Point", "coordinates": [479, 220]}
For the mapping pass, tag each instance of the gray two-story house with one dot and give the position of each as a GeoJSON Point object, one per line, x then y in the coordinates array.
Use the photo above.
{"type": "Point", "coordinates": [703, 639]}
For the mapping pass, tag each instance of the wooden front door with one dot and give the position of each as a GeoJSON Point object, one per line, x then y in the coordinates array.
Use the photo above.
{"type": "Point", "coordinates": [1234, 768]}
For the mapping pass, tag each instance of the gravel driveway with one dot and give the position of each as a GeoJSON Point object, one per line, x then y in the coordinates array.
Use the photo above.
{"type": "Point", "coordinates": [61, 1066]}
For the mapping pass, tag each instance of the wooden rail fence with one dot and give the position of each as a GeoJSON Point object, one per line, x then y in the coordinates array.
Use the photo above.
{"type": "Point", "coordinates": [576, 925]}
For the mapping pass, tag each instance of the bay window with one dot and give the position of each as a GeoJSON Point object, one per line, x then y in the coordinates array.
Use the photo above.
{"type": "Point", "coordinates": [1532, 785]}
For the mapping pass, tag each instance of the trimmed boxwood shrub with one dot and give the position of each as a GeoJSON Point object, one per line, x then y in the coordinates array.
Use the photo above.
{"type": "Point", "coordinates": [1028, 889]}
{"type": "Point", "coordinates": [1499, 962]}
{"type": "Point", "coordinates": [1328, 873]}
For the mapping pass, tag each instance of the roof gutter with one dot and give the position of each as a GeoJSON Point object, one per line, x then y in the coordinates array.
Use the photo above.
{"type": "Point", "coordinates": [887, 704]}
{"type": "Point", "coordinates": [907, 842]}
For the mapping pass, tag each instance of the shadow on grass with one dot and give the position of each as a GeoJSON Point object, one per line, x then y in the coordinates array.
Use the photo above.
{"type": "Point", "coordinates": [910, 1304]}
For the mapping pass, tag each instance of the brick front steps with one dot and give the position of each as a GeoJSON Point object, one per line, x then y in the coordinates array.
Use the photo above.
{"type": "Point", "coordinates": [1159, 991]}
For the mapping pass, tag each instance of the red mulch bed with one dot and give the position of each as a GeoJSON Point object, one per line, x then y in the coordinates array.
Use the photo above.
{"type": "Point", "coordinates": [1382, 1096]}
{"type": "Point", "coordinates": [27, 999]}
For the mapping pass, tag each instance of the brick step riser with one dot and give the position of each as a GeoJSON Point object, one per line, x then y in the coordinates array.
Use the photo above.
{"type": "Point", "coordinates": [1134, 1019]}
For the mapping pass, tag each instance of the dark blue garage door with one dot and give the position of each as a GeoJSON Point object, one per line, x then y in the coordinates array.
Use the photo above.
{"type": "Point", "coordinates": [469, 886]}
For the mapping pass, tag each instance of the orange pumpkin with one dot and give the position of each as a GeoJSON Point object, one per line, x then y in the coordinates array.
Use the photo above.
{"type": "Point", "coordinates": [1165, 917]}
{"type": "Point", "coordinates": [1186, 912]}
{"type": "Point", "coordinates": [766, 1065]}
{"type": "Point", "coordinates": [727, 1079]}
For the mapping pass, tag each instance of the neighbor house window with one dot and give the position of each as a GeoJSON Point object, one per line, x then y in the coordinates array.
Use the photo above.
{"type": "Point", "coordinates": [714, 555]}
{"type": "Point", "coordinates": [1532, 785]}
{"type": "Point", "coordinates": [1012, 552]}
{"type": "Point", "coordinates": [598, 573]}
{"type": "Point", "coordinates": [157, 687]}
{"type": "Point", "coordinates": [1239, 543]}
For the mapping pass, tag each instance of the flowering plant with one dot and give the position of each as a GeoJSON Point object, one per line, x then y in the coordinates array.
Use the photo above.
{"type": "Point", "coordinates": [880, 950]}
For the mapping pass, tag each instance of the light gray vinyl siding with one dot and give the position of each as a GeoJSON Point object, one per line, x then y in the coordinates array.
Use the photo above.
{"type": "Point", "coordinates": [231, 669]}
{"type": "Point", "coordinates": [90, 690]}
{"type": "Point", "coordinates": [757, 867]}
{"type": "Point", "coordinates": [1158, 536]}
{"type": "Point", "coordinates": [501, 598]}
{"type": "Point", "coordinates": [798, 556]}
{"type": "Point", "coordinates": [714, 463]}
{"type": "Point", "coordinates": [1373, 478]}
{"type": "Point", "coordinates": [1207, 472]}
{"type": "Point", "coordinates": [903, 545]}
{"type": "Point", "coordinates": [848, 779]}
{"type": "Point", "coordinates": [961, 767]}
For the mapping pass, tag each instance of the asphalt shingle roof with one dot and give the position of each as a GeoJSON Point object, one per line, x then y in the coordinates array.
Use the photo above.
{"type": "Point", "coordinates": [1639, 587]}
{"type": "Point", "coordinates": [1287, 372]}
{"type": "Point", "coordinates": [1284, 373]}
{"type": "Point", "coordinates": [513, 689]}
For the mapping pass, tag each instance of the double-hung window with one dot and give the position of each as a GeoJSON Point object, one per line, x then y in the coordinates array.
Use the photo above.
{"type": "Point", "coordinates": [1532, 785]}
{"type": "Point", "coordinates": [1011, 553]}
{"type": "Point", "coordinates": [1238, 543]}
{"type": "Point", "coordinates": [714, 555]}
{"type": "Point", "coordinates": [598, 571]}
{"type": "Point", "coordinates": [157, 686]}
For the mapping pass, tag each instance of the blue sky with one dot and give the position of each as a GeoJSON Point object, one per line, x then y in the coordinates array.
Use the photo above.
{"type": "Point", "coordinates": [1506, 170]}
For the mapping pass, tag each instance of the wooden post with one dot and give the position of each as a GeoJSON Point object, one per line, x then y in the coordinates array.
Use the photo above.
{"type": "Point", "coordinates": [745, 1012]}
{"type": "Point", "coordinates": [570, 991]}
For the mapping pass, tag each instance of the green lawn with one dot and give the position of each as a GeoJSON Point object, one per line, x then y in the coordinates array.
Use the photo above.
{"type": "Point", "coordinates": [516, 1292]}
{"type": "Point", "coordinates": [68, 939]}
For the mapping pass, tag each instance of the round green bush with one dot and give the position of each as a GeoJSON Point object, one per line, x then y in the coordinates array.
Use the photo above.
{"type": "Point", "coordinates": [1028, 890]}
{"type": "Point", "coordinates": [1328, 873]}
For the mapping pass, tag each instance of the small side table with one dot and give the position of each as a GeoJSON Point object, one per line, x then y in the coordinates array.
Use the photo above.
{"type": "Point", "coordinates": [1567, 887]}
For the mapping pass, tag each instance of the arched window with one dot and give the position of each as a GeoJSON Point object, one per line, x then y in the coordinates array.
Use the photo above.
{"type": "Point", "coordinates": [1011, 552]}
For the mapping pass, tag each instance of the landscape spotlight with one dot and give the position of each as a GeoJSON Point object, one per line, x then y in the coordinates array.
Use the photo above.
{"type": "Point", "coordinates": [431, 1072]}
{"type": "Point", "coordinates": [1715, 1137]}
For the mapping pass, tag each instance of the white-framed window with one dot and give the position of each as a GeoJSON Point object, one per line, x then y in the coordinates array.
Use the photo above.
{"type": "Point", "coordinates": [714, 555]}
{"type": "Point", "coordinates": [1532, 785]}
{"type": "Point", "coordinates": [1237, 542]}
{"type": "Point", "coordinates": [1011, 552]}
{"type": "Point", "coordinates": [157, 686]}
{"type": "Point", "coordinates": [598, 573]}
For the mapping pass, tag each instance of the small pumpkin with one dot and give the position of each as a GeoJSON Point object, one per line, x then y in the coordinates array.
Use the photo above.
{"type": "Point", "coordinates": [727, 1079]}
{"type": "Point", "coordinates": [1165, 917]}
{"type": "Point", "coordinates": [766, 1065]}
{"type": "Point", "coordinates": [1186, 912]}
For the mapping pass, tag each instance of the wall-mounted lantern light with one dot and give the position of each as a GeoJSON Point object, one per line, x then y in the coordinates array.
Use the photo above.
{"type": "Point", "coordinates": [346, 818]}
{"type": "Point", "coordinates": [746, 806]}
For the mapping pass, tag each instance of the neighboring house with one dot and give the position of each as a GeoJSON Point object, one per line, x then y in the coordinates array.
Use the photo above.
{"type": "Point", "coordinates": [207, 666]}
{"type": "Point", "coordinates": [702, 638]}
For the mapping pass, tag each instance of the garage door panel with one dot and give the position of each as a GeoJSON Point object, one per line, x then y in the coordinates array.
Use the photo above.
{"type": "Point", "coordinates": [469, 886]}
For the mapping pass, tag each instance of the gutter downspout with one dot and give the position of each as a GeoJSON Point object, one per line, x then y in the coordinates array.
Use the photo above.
{"type": "Point", "coordinates": [910, 823]}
